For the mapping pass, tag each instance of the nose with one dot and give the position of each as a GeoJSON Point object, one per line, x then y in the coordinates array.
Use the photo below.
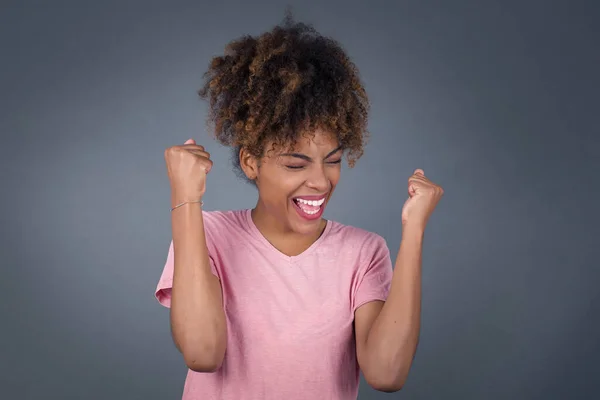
{"type": "Point", "coordinates": [317, 178]}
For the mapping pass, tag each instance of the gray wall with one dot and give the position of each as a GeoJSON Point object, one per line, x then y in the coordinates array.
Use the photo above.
{"type": "Point", "coordinates": [495, 100]}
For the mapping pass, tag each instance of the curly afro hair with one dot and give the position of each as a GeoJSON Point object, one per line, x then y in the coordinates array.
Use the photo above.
{"type": "Point", "coordinates": [282, 85]}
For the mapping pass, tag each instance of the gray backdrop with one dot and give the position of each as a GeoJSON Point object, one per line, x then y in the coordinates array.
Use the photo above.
{"type": "Point", "coordinates": [496, 100]}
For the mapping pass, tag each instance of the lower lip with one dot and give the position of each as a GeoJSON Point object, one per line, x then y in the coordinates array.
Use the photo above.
{"type": "Point", "coordinates": [309, 217]}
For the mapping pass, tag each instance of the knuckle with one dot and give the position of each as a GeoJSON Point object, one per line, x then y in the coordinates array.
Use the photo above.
{"type": "Point", "coordinates": [169, 151]}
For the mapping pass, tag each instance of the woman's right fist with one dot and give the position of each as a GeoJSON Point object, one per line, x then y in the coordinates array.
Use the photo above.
{"type": "Point", "coordinates": [187, 166]}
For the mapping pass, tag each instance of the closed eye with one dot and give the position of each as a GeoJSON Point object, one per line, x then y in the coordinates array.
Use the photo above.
{"type": "Point", "coordinates": [297, 167]}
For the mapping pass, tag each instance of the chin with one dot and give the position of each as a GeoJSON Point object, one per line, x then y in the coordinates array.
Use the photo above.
{"type": "Point", "coordinates": [305, 224]}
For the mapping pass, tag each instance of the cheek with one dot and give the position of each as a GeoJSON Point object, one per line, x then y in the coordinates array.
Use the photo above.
{"type": "Point", "coordinates": [333, 175]}
{"type": "Point", "coordinates": [277, 187]}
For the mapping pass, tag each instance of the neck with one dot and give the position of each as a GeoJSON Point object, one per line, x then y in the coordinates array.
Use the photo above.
{"type": "Point", "coordinates": [281, 236]}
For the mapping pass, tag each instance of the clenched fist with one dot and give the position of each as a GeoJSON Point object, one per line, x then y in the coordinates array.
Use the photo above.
{"type": "Point", "coordinates": [187, 166]}
{"type": "Point", "coordinates": [423, 197]}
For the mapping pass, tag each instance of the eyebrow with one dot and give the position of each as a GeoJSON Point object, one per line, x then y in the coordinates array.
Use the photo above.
{"type": "Point", "coordinates": [307, 158]}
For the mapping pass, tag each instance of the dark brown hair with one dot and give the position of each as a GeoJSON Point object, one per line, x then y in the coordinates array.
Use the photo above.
{"type": "Point", "coordinates": [282, 84]}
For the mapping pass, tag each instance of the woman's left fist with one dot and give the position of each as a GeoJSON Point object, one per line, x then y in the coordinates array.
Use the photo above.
{"type": "Point", "coordinates": [423, 197]}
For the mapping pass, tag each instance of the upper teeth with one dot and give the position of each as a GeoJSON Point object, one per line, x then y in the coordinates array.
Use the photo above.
{"type": "Point", "coordinates": [311, 202]}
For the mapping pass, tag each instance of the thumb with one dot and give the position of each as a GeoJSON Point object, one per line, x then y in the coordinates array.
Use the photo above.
{"type": "Point", "coordinates": [190, 141]}
{"type": "Point", "coordinates": [419, 171]}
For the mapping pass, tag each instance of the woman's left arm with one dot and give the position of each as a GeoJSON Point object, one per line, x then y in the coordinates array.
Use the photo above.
{"type": "Point", "coordinates": [387, 333]}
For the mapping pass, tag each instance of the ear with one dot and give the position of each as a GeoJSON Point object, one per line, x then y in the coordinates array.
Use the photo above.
{"type": "Point", "coordinates": [249, 164]}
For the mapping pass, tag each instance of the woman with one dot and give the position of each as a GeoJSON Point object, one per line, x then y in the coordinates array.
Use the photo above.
{"type": "Point", "coordinates": [277, 302]}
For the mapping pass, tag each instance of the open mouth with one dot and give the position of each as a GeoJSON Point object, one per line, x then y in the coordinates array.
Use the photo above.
{"type": "Point", "coordinates": [309, 208]}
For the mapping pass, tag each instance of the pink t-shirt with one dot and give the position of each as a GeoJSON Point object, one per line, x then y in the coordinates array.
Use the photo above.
{"type": "Point", "coordinates": [289, 319]}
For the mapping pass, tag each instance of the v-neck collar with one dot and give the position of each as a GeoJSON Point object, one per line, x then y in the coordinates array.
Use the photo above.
{"type": "Point", "coordinates": [292, 259]}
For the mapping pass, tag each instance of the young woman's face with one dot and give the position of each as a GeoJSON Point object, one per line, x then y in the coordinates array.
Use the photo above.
{"type": "Point", "coordinates": [295, 184]}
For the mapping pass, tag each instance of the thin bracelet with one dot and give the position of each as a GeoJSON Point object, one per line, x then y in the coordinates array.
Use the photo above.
{"type": "Point", "coordinates": [186, 202]}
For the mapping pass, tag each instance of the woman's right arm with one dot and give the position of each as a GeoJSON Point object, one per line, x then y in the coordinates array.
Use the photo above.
{"type": "Point", "coordinates": [197, 317]}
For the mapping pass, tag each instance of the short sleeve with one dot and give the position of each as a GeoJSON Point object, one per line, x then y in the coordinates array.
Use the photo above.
{"type": "Point", "coordinates": [165, 283]}
{"type": "Point", "coordinates": [376, 277]}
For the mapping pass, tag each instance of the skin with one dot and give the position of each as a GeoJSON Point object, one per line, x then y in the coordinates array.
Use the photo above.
{"type": "Point", "coordinates": [386, 332]}
{"type": "Point", "coordinates": [196, 298]}
{"type": "Point", "coordinates": [312, 167]}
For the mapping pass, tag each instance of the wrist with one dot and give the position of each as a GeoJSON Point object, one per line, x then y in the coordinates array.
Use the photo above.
{"type": "Point", "coordinates": [413, 228]}
{"type": "Point", "coordinates": [175, 204]}
{"type": "Point", "coordinates": [179, 197]}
